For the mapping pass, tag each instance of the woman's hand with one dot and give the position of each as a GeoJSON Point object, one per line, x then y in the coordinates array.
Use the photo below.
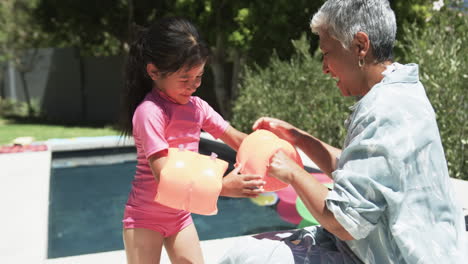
{"type": "Point", "coordinates": [280, 128]}
{"type": "Point", "coordinates": [282, 167]}
{"type": "Point", "coordinates": [240, 185]}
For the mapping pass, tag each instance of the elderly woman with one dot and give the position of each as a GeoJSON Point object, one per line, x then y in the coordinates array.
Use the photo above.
{"type": "Point", "coordinates": [391, 201]}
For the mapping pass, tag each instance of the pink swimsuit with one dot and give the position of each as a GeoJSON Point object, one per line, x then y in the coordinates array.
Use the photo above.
{"type": "Point", "coordinates": [158, 124]}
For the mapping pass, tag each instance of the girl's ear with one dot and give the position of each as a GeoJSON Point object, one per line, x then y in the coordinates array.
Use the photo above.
{"type": "Point", "coordinates": [152, 71]}
{"type": "Point", "coordinates": [361, 44]}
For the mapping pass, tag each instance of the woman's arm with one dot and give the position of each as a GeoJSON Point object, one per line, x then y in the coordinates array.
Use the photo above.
{"type": "Point", "coordinates": [312, 192]}
{"type": "Point", "coordinates": [322, 154]}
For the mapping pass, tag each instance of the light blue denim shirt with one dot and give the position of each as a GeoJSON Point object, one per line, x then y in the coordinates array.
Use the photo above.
{"type": "Point", "coordinates": [392, 190]}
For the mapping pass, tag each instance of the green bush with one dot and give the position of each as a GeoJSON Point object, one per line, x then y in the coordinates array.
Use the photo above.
{"type": "Point", "coordinates": [441, 50]}
{"type": "Point", "coordinates": [14, 108]}
{"type": "Point", "coordinates": [296, 91]}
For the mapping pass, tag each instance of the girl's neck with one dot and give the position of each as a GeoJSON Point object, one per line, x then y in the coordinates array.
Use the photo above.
{"type": "Point", "coordinates": [163, 95]}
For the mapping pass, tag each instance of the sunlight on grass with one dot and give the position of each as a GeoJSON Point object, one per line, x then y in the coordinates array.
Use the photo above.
{"type": "Point", "coordinates": [41, 132]}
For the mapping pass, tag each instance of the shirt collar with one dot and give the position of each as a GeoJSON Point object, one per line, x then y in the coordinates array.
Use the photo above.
{"type": "Point", "coordinates": [397, 72]}
{"type": "Point", "coordinates": [162, 95]}
{"type": "Point", "coordinates": [394, 73]}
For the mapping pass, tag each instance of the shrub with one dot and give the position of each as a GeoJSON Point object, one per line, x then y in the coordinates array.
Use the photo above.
{"type": "Point", "coordinates": [8, 107]}
{"type": "Point", "coordinates": [441, 50]}
{"type": "Point", "coordinates": [14, 108]}
{"type": "Point", "coordinates": [295, 91]}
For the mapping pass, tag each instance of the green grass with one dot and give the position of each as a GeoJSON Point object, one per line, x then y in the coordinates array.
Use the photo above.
{"type": "Point", "coordinates": [11, 129]}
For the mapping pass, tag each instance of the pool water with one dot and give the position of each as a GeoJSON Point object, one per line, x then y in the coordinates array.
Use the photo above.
{"type": "Point", "coordinates": [87, 201]}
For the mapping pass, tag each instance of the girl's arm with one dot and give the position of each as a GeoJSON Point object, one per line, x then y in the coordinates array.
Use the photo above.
{"type": "Point", "coordinates": [157, 161]}
{"type": "Point", "coordinates": [232, 137]}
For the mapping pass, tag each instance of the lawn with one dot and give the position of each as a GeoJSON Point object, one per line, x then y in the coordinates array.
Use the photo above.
{"type": "Point", "coordinates": [10, 129]}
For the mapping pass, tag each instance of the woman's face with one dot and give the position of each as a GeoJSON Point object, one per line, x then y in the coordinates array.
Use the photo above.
{"type": "Point", "coordinates": [342, 65]}
{"type": "Point", "coordinates": [180, 85]}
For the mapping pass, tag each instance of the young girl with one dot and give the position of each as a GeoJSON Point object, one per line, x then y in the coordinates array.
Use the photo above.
{"type": "Point", "coordinates": [164, 68]}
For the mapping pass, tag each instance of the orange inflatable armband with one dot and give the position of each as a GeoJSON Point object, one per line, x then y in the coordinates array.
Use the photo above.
{"type": "Point", "coordinates": [255, 152]}
{"type": "Point", "coordinates": [191, 181]}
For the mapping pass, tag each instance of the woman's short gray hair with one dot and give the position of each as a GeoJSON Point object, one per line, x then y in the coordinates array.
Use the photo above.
{"type": "Point", "coordinates": [342, 19]}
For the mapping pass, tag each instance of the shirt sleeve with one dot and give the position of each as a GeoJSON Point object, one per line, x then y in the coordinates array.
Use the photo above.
{"type": "Point", "coordinates": [363, 179]}
{"type": "Point", "coordinates": [149, 128]}
{"type": "Point", "coordinates": [212, 122]}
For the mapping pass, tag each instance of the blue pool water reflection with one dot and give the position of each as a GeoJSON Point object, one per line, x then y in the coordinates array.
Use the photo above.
{"type": "Point", "coordinates": [86, 204]}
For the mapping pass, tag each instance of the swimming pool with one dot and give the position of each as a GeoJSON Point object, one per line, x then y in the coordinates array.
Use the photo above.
{"type": "Point", "coordinates": [88, 190]}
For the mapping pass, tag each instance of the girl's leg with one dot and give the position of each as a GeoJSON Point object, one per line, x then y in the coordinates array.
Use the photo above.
{"type": "Point", "coordinates": [142, 246]}
{"type": "Point", "coordinates": [184, 247]}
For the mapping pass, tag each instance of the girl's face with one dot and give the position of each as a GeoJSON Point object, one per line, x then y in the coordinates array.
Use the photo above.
{"type": "Point", "coordinates": [180, 85]}
{"type": "Point", "coordinates": [341, 64]}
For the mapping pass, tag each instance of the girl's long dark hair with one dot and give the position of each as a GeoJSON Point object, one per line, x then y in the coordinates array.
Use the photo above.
{"type": "Point", "coordinates": [170, 44]}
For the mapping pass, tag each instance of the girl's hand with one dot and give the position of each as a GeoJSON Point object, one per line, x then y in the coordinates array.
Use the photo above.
{"type": "Point", "coordinates": [280, 128]}
{"type": "Point", "coordinates": [240, 185]}
{"type": "Point", "coordinates": [282, 167]}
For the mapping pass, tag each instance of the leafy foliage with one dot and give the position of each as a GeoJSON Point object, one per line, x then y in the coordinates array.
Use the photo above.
{"type": "Point", "coordinates": [13, 108]}
{"type": "Point", "coordinates": [241, 31]}
{"type": "Point", "coordinates": [19, 39]}
{"type": "Point", "coordinates": [296, 91]}
{"type": "Point", "coordinates": [97, 28]}
{"type": "Point", "coordinates": [441, 50]}
{"type": "Point", "coordinates": [18, 30]}
{"type": "Point", "coordinates": [102, 27]}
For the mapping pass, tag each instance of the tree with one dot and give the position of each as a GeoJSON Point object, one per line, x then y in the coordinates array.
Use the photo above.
{"type": "Point", "coordinates": [239, 32]}
{"type": "Point", "coordinates": [19, 39]}
{"type": "Point", "coordinates": [247, 32]}
{"type": "Point", "coordinates": [234, 29]}
{"type": "Point", "coordinates": [96, 28]}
